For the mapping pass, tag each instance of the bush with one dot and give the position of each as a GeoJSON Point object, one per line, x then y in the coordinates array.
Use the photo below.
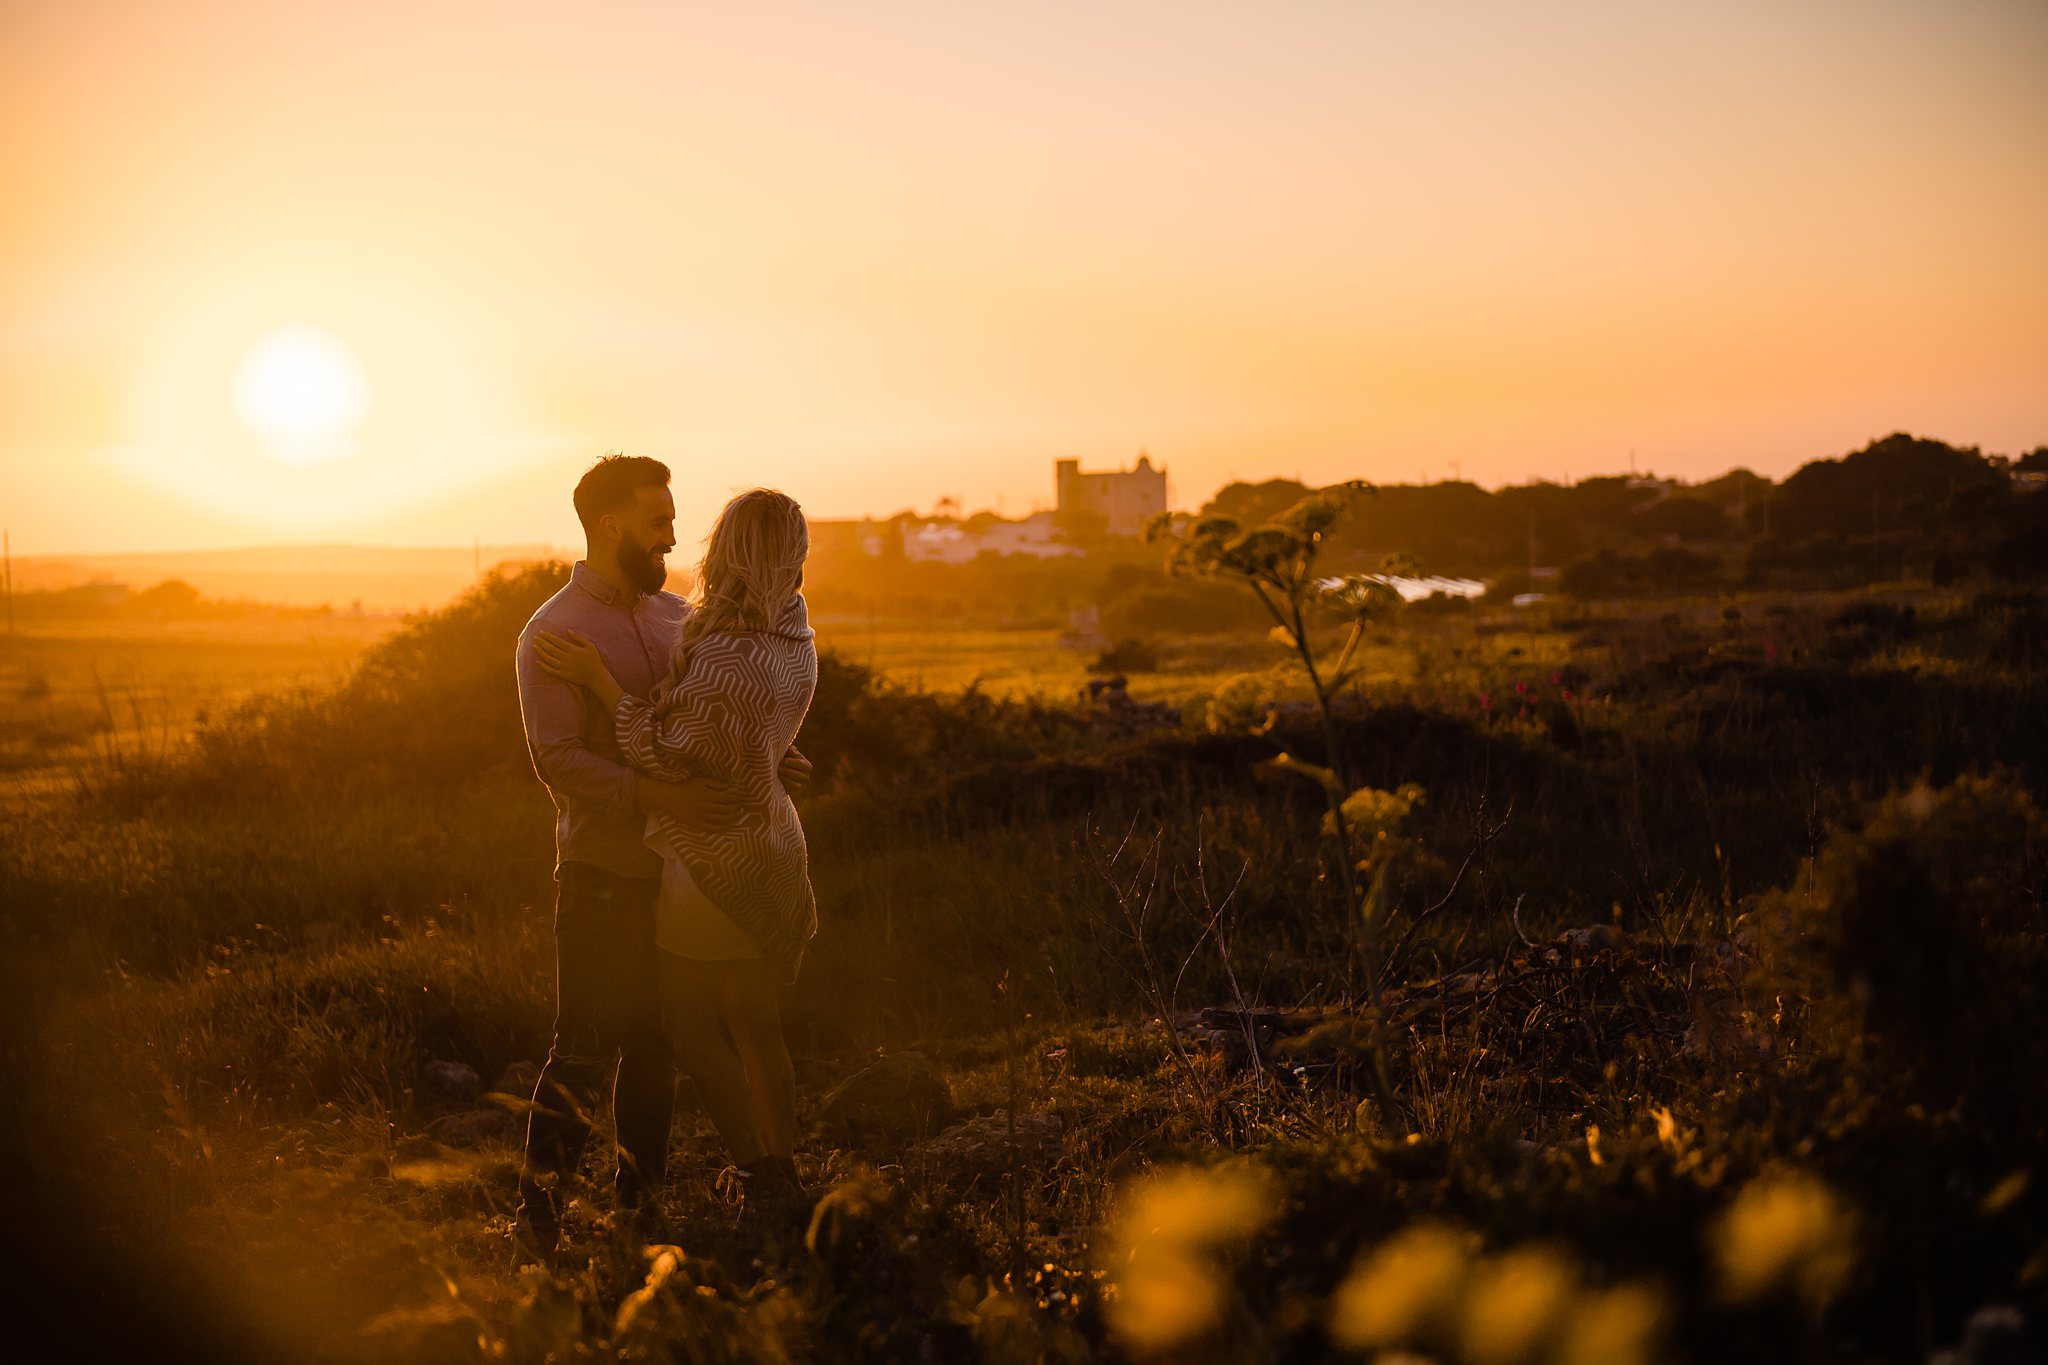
{"type": "Point", "coordinates": [1917, 942]}
{"type": "Point", "coordinates": [1183, 608]}
{"type": "Point", "coordinates": [1127, 656]}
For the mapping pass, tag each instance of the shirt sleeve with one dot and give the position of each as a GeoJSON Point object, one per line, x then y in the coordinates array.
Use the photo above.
{"type": "Point", "coordinates": [551, 711]}
{"type": "Point", "coordinates": [655, 739]}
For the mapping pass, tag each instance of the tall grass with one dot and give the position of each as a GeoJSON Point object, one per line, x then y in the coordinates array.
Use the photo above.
{"type": "Point", "coordinates": [1623, 912]}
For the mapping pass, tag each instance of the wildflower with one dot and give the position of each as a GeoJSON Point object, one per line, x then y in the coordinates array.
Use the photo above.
{"type": "Point", "coordinates": [1407, 1289]}
{"type": "Point", "coordinates": [1372, 814]}
{"type": "Point", "coordinates": [1613, 1327]}
{"type": "Point", "coordinates": [1520, 686]}
{"type": "Point", "coordinates": [1517, 1303]}
{"type": "Point", "coordinates": [1566, 693]}
{"type": "Point", "coordinates": [1485, 702]}
{"type": "Point", "coordinates": [1169, 1288]}
{"type": "Point", "coordinates": [1785, 1229]}
{"type": "Point", "coordinates": [1556, 678]}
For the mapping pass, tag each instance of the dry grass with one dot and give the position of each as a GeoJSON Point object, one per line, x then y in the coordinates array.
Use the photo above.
{"type": "Point", "coordinates": [1625, 1129]}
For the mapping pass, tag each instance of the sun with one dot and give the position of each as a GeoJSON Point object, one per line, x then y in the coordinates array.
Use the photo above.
{"type": "Point", "coordinates": [302, 393]}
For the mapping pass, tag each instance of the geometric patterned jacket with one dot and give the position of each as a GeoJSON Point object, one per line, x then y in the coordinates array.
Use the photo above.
{"type": "Point", "coordinates": [732, 717]}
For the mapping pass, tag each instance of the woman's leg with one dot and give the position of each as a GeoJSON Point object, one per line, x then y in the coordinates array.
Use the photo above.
{"type": "Point", "coordinates": [753, 1011]}
{"type": "Point", "coordinates": [691, 1001]}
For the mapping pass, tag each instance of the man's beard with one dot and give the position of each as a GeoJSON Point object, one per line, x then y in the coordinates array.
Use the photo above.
{"type": "Point", "coordinates": [642, 569]}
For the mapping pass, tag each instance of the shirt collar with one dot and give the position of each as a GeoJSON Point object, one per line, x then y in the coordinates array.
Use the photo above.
{"type": "Point", "coordinates": [602, 588]}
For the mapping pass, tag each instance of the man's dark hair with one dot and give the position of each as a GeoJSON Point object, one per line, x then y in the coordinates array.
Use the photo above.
{"type": "Point", "coordinates": [608, 485]}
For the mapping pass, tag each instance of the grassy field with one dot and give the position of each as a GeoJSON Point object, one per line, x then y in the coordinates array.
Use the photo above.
{"type": "Point", "coordinates": [136, 688]}
{"type": "Point", "coordinates": [1701, 951]}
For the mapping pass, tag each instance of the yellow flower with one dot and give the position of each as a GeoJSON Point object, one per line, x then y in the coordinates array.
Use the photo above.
{"type": "Point", "coordinates": [1169, 1288]}
{"type": "Point", "coordinates": [1408, 1288]}
{"type": "Point", "coordinates": [1516, 1304]}
{"type": "Point", "coordinates": [1785, 1229]}
{"type": "Point", "coordinates": [1613, 1327]}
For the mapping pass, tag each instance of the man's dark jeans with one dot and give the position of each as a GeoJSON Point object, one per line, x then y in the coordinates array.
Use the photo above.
{"type": "Point", "coordinates": [608, 1033]}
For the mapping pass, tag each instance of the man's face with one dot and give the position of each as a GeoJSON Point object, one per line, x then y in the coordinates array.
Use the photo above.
{"type": "Point", "coordinates": [647, 532]}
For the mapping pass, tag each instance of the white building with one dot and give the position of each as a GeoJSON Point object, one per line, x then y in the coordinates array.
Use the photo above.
{"type": "Point", "coordinates": [1124, 499]}
{"type": "Point", "coordinates": [951, 542]}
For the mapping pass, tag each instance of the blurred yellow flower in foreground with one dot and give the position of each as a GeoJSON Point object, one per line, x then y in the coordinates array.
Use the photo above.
{"type": "Point", "coordinates": [1425, 1288]}
{"type": "Point", "coordinates": [1411, 1286]}
{"type": "Point", "coordinates": [1785, 1229]}
{"type": "Point", "coordinates": [1169, 1288]}
{"type": "Point", "coordinates": [1516, 1304]}
{"type": "Point", "coordinates": [1613, 1327]}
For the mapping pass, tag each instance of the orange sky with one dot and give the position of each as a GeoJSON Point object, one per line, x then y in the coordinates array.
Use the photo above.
{"type": "Point", "coordinates": [875, 253]}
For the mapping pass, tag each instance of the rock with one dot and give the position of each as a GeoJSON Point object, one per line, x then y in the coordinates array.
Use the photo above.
{"type": "Point", "coordinates": [1996, 1334]}
{"type": "Point", "coordinates": [993, 1143]}
{"type": "Point", "coordinates": [517, 1080]}
{"type": "Point", "coordinates": [901, 1097]}
{"type": "Point", "coordinates": [449, 1085]}
{"type": "Point", "coordinates": [474, 1127]}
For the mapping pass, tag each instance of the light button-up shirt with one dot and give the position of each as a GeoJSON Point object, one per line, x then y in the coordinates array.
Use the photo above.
{"type": "Point", "coordinates": [573, 742]}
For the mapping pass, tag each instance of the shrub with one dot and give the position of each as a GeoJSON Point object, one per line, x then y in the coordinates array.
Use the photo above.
{"type": "Point", "coordinates": [1127, 656]}
{"type": "Point", "coordinates": [1916, 941]}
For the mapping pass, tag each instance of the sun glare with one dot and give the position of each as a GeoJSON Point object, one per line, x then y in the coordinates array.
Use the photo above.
{"type": "Point", "coordinates": [302, 393]}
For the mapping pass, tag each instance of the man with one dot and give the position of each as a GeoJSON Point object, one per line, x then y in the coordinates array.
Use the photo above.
{"type": "Point", "coordinates": [608, 1026]}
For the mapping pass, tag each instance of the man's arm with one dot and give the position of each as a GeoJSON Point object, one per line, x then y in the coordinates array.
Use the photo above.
{"type": "Point", "coordinates": [551, 711]}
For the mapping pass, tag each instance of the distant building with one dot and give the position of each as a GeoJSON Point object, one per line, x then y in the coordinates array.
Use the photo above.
{"type": "Point", "coordinates": [1124, 499]}
{"type": "Point", "coordinates": [955, 542]}
{"type": "Point", "coordinates": [865, 537]}
{"type": "Point", "coordinates": [941, 540]}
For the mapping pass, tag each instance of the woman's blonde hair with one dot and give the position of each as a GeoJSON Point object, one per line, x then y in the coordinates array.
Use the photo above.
{"type": "Point", "coordinates": [752, 567]}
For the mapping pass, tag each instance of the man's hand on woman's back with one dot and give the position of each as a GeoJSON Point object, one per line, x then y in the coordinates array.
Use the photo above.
{"type": "Point", "coordinates": [700, 802]}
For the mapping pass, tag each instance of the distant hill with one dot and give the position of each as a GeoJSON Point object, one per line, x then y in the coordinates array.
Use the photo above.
{"type": "Point", "coordinates": [379, 578]}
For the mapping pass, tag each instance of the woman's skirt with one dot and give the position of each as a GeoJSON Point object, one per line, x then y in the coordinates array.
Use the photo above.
{"type": "Point", "coordinates": [688, 924]}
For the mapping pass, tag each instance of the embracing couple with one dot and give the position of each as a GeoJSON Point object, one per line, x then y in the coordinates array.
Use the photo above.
{"type": "Point", "coordinates": [664, 731]}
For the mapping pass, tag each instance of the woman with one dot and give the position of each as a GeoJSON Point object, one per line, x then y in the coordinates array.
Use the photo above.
{"type": "Point", "coordinates": [736, 908]}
